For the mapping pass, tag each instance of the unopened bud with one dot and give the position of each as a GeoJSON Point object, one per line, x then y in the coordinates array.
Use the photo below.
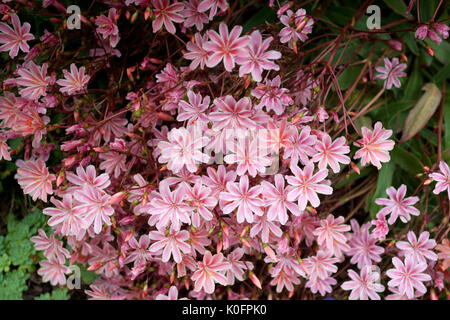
{"type": "Point", "coordinates": [255, 280]}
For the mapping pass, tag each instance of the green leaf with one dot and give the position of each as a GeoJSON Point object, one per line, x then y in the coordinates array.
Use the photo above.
{"type": "Point", "coordinates": [406, 160]}
{"type": "Point", "coordinates": [348, 76]}
{"type": "Point", "coordinates": [411, 43]}
{"type": "Point", "coordinates": [398, 6]}
{"type": "Point", "coordinates": [443, 74]}
{"type": "Point", "coordinates": [384, 181]}
{"type": "Point", "coordinates": [263, 15]}
{"type": "Point", "coordinates": [57, 294]}
{"type": "Point", "coordinates": [414, 84]}
{"type": "Point", "coordinates": [422, 111]}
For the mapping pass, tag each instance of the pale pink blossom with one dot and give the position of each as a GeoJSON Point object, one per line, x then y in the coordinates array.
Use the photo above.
{"type": "Point", "coordinates": [166, 13]}
{"type": "Point", "coordinates": [167, 207]}
{"type": "Point", "coordinates": [183, 149]}
{"type": "Point", "coordinates": [34, 178]}
{"type": "Point", "coordinates": [53, 271]}
{"type": "Point", "coordinates": [195, 109]}
{"type": "Point", "coordinates": [322, 265]}
{"type": "Point", "coordinates": [307, 185]}
{"type": "Point", "coordinates": [257, 57]}
{"type": "Point", "coordinates": [381, 227]}
{"type": "Point", "coordinates": [331, 235]}
{"type": "Point", "coordinates": [217, 180]}
{"type": "Point", "coordinates": [323, 286]}
{"type": "Point", "coordinates": [196, 52]}
{"type": "Point", "coordinates": [213, 5]}
{"type": "Point", "coordinates": [442, 178]}
{"type": "Point", "coordinates": [199, 197]}
{"type": "Point", "coordinates": [397, 205]}
{"type": "Point", "coordinates": [16, 37]}
{"type": "Point", "coordinates": [391, 71]}
{"type": "Point", "coordinates": [209, 272]}
{"type": "Point", "coordinates": [171, 244]}
{"type": "Point", "coordinates": [107, 27]}
{"type": "Point", "coordinates": [34, 80]}
{"type": "Point", "coordinates": [94, 206]}
{"type": "Point", "coordinates": [276, 200]}
{"type": "Point", "coordinates": [300, 146]}
{"type": "Point", "coordinates": [419, 249]}
{"type": "Point", "coordinates": [408, 276]}
{"type": "Point", "coordinates": [87, 176]}
{"type": "Point", "coordinates": [231, 114]}
{"type": "Point", "coordinates": [171, 295]}
{"type": "Point", "coordinates": [63, 217]}
{"type": "Point", "coordinates": [272, 96]}
{"type": "Point", "coordinates": [374, 145]}
{"type": "Point", "coordinates": [244, 199]}
{"type": "Point", "coordinates": [363, 248]}
{"type": "Point", "coordinates": [265, 228]}
{"type": "Point", "coordinates": [284, 279]}
{"type": "Point", "coordinates": [226, 46]}
{"type": "Point", "coordinates": [249, 156]}
{"type": "Point", "coordinates": [331, 153]}
{"type": "Point", "coordinates": [4, 149]}
{"type": "Point", "coordinates": [113, 163]}
{"type": "Point", "coordinates": [193, 15]}
{"type": "Point", "coordinates": [139, 252]}
{"type": "Point", "coordinates": [52, 246]}
{"type": "Point", "coordinates": [74, 81]}
{"type": "Point", "coordinates": [296, 26]}
{"type": "Point", "coordinates": [363, 286]}
{"type": "Point", "coordinates": [237, 267]}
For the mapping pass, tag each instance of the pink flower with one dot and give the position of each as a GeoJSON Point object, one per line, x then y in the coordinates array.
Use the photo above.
{"type": "Point", "coordinates": [75, 80]}
{"type": "Point", "coordinates": [34, 80]}
{"type": "Point", "coordinates": [53, 247]}
{"type": "Point", "coordinates": [297, 27]}
{"type": "Point", "coordinates": [201, 200]}
{"type": "Point", "coordinates": [391, 72]}
{"type": "Point", "coordinates": [53, 271]}
{"type": "Point", "coordinates": [113, 163]}
{"type": "Point", "coordinates": [442, 178]}
{"type": "Point", "coordinates": [381, 227]}
{"type": "Point", "coordinates": [231, 114]}
{"type": "Point", "coordinates": [34, 178]}
{"type": "Point", "coordinates": [94, 206]}
{"type": "Point", "coordinates": [331, 153]}
{"type": "Point", "coordinates": [249, 156]}
{"type": "Point", "coordinates": [257, 58]}
{"type": "Point", "coordinates": [244, 198]}
{"type": "Point", "coordinates": [237, 267]}
{"type": "Point", "coordinates": [64, 218]}
{"type": "Point", "coordinates": [195, 109]}
{"type": "Point", "coordinates": [4, 149]}
{"type": "Point", "coordinates": [419, 249]}
{"type": "Point", "coordinates": [139, 251]}
{"type": "Point", "coordinates": [272, 96]}
{"type": "Point", "coordinates": [209, 272]}
{"type": "Point", "coordinates": [217, 180]}
{"type": "Point", "coordinates": [107, 27]}
{"type": "Point", "coordinates": [321, 265]}
{"type": "Point", "coordinates": [276, 200]}
{"type": "Point", "coordinates": [284, 278]}
{"type": "Point", "coordinates": [88, 176]}
{"type": "Point", "coordinates": [374, 145]}
{"type": "Point", "coordinates": [226, 46]}
{"type": "Point", "coordinates": [165, 13]}
{"type": "Point", "coordinates": [408, 275]}
{"type": "Point", "coordinates": [213, 5]}
{"type": "Point", "coordinates": [363, 249]}
{"type": "Point", "coordinates": [169, 245]}
{"type": "Point", "coordinates": [168, 207]}
{"type": "Point", "coordinates": [196, 51]}
{"type": "Point", "coordinates": [183, 149]}
{"type": "Point", "coordinates": [172, 295]}
{"type": "Point", "coordinates": [267, 229]}
{"type": "Point", "coordinates": [193, 15]}
{"type": "Point", "coordinates": [16, 38]}
{"type": "Point", "coordinates": [306, 185]}
{"type": "Point", "coordinates": [323, 286]}
{"type": "Point", "coordinates": [300, 145]}
{"type": "Point", "coordinates": [363, 286]}
{"type": "Point", "coordinates": [397, 205]}
{"type": "Point", "coordinates": [331, 235]}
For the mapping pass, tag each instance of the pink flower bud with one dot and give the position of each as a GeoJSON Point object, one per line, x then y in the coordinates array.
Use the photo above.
{"type": "Point", "coordinates": [127, 220]}
{"type": "Point", "coordinates": [117, 197]}
{"type": "Point", "coordinates": [421, 32]}
{"type": "Point", "coordinates": [270, 253]}
{"type": "Point", "coordinates": [441, 29]}
{"type": "Point", "coordinates": [255, 280]}
{"type": "Point", "coordinates": [396, 45]}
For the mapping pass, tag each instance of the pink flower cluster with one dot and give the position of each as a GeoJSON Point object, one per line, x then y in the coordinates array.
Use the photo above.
{"type": "Point", "coordinates": [202, 172]}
